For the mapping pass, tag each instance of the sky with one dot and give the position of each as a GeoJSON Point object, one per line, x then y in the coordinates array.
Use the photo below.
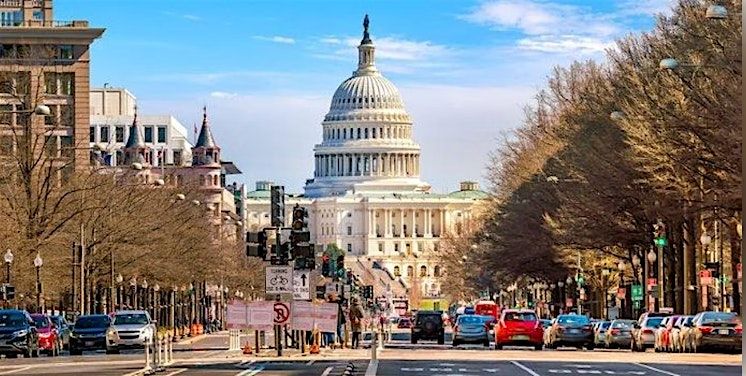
{"type": "Point", "coordinates": [266, 70]}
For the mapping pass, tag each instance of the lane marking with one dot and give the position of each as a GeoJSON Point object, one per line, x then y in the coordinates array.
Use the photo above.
{"type": "Point", "coordinates": [372, 368]}
{"type": "Point", "coordinates": [327, 371]}
{"type": "Point", "coordinates": [250, 372]}
{"type": "Point", "coordinates": [521, 366]}
{"type": "Point", "coordinates": [310, 362]}
{"type": "Point", "coordinates": [16, 370]}
{"type": "Point", "coordinates": [656, 369]}
{"type": "Point", "coordinates": [176, 372]}
{"type": "Point", "coordinates": [405, 369]}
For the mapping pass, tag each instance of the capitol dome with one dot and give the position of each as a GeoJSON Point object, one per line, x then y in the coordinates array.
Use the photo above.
{"type": "Point", "coordinates": [367, 141]}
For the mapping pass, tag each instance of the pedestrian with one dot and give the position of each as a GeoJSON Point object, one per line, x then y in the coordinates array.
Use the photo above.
{"type": "Point", "coordinates": [356, 320]}
{"type": "Point", "coordinates": [328, 337]}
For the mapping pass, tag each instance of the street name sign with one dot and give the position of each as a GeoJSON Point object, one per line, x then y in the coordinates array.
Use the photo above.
{"type": "Point", "coordinates": [301, 285]}
{"type": "Point", "coordinates": [279, 280]}
{"type": "Point", "coordinates": [636, 292]}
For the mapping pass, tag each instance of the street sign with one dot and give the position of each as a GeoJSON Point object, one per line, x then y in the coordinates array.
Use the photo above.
{"type": "Point", "coordinates": [279, 280]}
{"type": "Point", "coordinates": [652, 282]}
{"type": "Point", "coordinates": [705, 281]}
{"type": "Point", "coordinates": [621, 293]}
{"type": "Point", "coordinates": [332, 288]}
{"type": "Point", "coordinates": [705, 273]}
{"type": "Point", "coordinates": [301, 285]}
{"type": "Point", "coordinates": [282, 312]}
{"type": "Point", "coordinates": [653, 291]}
{"type": "Point", "coordinates": [636, 293]}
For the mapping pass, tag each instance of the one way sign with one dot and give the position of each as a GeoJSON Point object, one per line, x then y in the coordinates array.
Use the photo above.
{"type": "Point", "coordinates": [301, 285]}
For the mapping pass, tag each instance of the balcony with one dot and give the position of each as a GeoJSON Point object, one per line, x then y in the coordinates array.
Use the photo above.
{"type": "Point", "coordinates": [41, 23]}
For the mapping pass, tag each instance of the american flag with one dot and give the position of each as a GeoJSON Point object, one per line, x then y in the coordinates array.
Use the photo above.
{"type": "Point", "coordinates": [195, 132]}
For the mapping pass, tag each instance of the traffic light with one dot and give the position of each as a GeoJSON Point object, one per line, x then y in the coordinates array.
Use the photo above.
{"type": "Point", "coordinates": [714, 267]}
{"type": "Point", "coordinates": [8, 292]}
{"type": "Point", "coordinates": [256, 244]}
{"type": "Point", "coordinates": [368, 292]}
{"type": "Point", "coordinates": [300, 218]}
{"type": "Point", "coordinates": [659, 234]}
{"type": "Point", "coordinates": [340, 267]}
{"type": "Point", "coordinates": [277, 201]}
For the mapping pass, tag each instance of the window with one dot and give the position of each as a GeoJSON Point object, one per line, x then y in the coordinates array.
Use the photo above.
{"type": "Point", "coordinates": [344, 134]}
{"type": "Point", "coordinates": [374, 132]}
{"type": "Point", "coordinates": [67, 115]}
{"type": "Point", "coordinates": [6, 116]}
{"type": "Point", "coordinates": [436, 271]}
{"type": "Point", "coordinates": [119, 134]}
{"type": "Point", "coordinates": [161, 134]}
{"type": "Point", "coordinates": [177, 157]}
{"type": "Point", "coordinates": [380, 247]}
{"type": "Point", "coordinates": [104, 134]}
{"type": "Point", "coordinates": [66, 146]}
{"type": "Point", "coordinates": [349, 247]}
{"type": "Point", "coordinates": [410, 271]}
{"type": "Point", "coordinates": [50, 83]}
{"type": "Point", "coordinates": [423, 271]}
{"type": "Point", "coordinates": [366, 132]}
{"type": "Point", "coordinates": [67, 83]}
{"type": "Point", "coordinates": [396, 247]}
{"type": "Point", "coordinates": [92, 134]}
{"type": "Point", "coordinates": [148, 134]}
{"type": "Point", "coordinates": [397, 271]}
{"type": "Point", "coordinates": [358, 133]}
{"type": "Point", "coordinates": [65, 51]}
{"type": "Point", "coordinates": [349, 230]}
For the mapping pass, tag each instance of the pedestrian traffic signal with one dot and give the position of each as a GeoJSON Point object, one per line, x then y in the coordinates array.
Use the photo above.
{"type": "Point", "coordinates": [368, 292]}
{"type": "Point", "coordinates": [7, 292]}
{"type": "Point", "coordinates": [659, 234]}
{"type": "Point", "coordinates": [256, 244]}
{"type": "Point", "coordinates": [277, 202]}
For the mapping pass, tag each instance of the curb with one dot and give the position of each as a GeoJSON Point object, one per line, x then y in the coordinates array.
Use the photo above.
{"type": "Point", "coordinates": [191, 340]}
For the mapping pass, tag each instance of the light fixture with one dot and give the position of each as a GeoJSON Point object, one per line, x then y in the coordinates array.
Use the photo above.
{"type": "Point", "coordinates": [669, 63]}
{"type": "Point", "coordinates": [137, 166]}
{"type": "Point", "coordinates": [651, 256]}
{"type": "Point", "coordinates": [621, 266]}
{"type": "Point", "coordinates": [560, 284]}
{"type": "Point", "coordinates": [568, 280]}
{"type": "Point", "coordinates": [44, 110]}
{"type": "Point", "coordinates": [119, 278]}
{"type": "Point", "coordinates": [157, 287]}
{"type": "Point", "coordinates": [38, 262]}
{"type": "Point", "coordinates": [716, 12]}
{"type": "Point", "coordinates": [635, 261]}
{"type": "Point", "coordinates": [616, 115]}
{"type": "Point", "coordinates": [705, 239]}
{"type": "Point", "coordinates": [180, 197]}
{"type": "Point", "coordinates": [8, 256]}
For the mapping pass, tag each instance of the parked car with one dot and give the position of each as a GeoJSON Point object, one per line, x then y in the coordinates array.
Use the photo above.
{"type": "Point", "coordinates": [133, 328]}
{"type": "Point", "coordinates": [18, 334]}
{"type": "Point", "coordinates": [684, 338]}
{"type": "Point", "coordinates": [471, 329]}
{"type": "Point", "coordinates": [49, 341]}
{"type": "Point", "coordinates": [643, 332]}
{"type": "Point", "coordinates": [619, 334]}
{"type": "Point", "coordinates": [674, 334]}
{"type": "Point", "coordinates": [716, 330]}
{"type": "Point", "coordinates": [404, 323]}
{"type": "Point", "coordinates": [548, 331]}
{"type": "Point", "coordinates": [428, 325]}
{"type": "Point", "coordinates": [599, 333]}
{"type": "Point", "coordinates": [519, 327]}
{"type": "Point", "coordinates": [63, 330]}
{"type": "Point", "coordinates": [93, 332]}
{"type": "Point", "coordinates": [487, 308]}
{"type": "Point", "coordinates": [662, 333]}
{"type": "Point", "coordinates": [571, 330]}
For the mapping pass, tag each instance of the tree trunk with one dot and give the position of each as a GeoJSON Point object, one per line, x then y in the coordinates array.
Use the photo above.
{"type": "Point", "coordinates": [735, 259]}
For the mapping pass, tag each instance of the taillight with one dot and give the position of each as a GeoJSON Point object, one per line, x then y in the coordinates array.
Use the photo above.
{"type": "Point", "coordinates": [647, 331]}
{"type": "Point", "coordinates": [455, 329]}
{"type": "Point", "coordinates": [739, 330]}
{"type": "Point", "coordinates": [705, 329]}
{"type": "Point", "coordinates": [587, 328]}
{"type": "Point", "coordinates": [615, 331]}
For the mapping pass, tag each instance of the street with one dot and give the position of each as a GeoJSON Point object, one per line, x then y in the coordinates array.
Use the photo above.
{"type": "Point", "coordinates": [208, 355]}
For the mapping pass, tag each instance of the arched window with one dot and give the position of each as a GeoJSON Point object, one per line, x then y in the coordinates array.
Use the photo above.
{"type": "Point", "coordinates": [423, 271]}
{"type": "Point", "coordinates": [410, 270]}
{"type": "Point", "coordinates": [366, 132]}
{"type": "Point", "coordinates": [436, 271]}
{"type": "Point", "coordinates": [397, 271]}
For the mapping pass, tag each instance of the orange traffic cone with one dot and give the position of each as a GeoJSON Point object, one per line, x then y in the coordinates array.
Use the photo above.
{"type": "Point", "coordinates": [247, 350]}
{"type": "Point", "coordinates": [314, 349]}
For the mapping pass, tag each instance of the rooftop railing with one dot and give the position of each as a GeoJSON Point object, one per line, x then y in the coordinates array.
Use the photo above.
{"type": "Point", "coordinates": [40, 23]}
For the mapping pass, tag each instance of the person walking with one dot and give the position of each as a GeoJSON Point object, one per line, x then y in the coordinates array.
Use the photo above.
{"type": "Point", "coordinates": [356, 322]}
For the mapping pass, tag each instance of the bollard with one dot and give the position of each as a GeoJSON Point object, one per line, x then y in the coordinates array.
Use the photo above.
{"type": "Point", "coordinates": [169, 352]}
{"type": "Point", "coordinates": [374, 347]}
{"type": "Point", "coordinates": [147, 368]}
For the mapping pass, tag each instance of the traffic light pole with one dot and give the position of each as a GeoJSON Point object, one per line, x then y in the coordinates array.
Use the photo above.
{"type": "Point", "coordinates": [660, 277]}
{"type": "Point", "coordinates": [283, 261]}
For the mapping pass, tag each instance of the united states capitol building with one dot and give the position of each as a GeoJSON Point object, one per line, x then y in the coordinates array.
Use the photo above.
{"type": "Point", "coordinates": [367, 195]}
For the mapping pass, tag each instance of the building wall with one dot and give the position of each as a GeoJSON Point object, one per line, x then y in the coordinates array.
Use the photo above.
{"type": "Point", "coordinates": [112, 102]}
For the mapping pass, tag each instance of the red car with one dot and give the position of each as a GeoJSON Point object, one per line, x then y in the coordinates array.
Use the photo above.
{"type": "Point", "coordinates": [49, 341]}
{"type": "Point", "coordinates": [519, 327]}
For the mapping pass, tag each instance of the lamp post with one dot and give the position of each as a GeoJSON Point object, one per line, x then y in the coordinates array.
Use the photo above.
{"type": "Point", "coordinates": [157, 304]}
{"type": "Point", "coordinates": [8, 260]}
{"type": "Point", "coordinates": [622, 267]}
{"type": "Point", "coordinates": [145, 300]}
{"type": "Point", "coordinates": [38, 262]}
{"type": "Point", "coordinates": [705, 240]}
{"type": "Point", "coordinates": [635, 268]}
{"type": "Point", "coordinates": [133, 295]}
{"type": "Point", "coordinates": [119, 280]}
{"type": "Point", "coordinates": [651, 262]}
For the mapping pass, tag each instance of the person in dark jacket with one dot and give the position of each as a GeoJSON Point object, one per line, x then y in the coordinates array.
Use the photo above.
{"type": "Point", "coordinates": [356, 322]}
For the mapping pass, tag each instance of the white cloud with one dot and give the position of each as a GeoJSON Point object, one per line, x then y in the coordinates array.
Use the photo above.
{"type": "Point", "coordinates": [564, 44]}
{"type": "Point", "coordinates": [646, 7]}
{"type": "Point", "coordinates": [222, 94]}
{"type": "Point", "coordinates": [275, 39]}
{"type": "Point", "coordinates": [205, 78]}
{"type": "Point", "coordinates": [330, 40]}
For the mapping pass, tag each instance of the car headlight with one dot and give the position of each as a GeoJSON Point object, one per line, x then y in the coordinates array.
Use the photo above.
{"type": "Point", "coordinates": [20, 333]}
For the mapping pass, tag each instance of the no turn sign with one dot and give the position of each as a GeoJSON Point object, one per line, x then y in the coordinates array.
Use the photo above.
{"type": "Point", "coordinates": [282, 312]}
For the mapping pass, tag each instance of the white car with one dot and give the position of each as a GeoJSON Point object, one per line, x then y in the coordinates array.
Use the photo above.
{"type": "Point", "coordinates": [133, 329]}
{"type": "Point", "coordinates": [684, 337]}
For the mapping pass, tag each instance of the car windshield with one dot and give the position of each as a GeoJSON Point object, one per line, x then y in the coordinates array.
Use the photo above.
{"type": "Point", "coordinates": [653, 321]}
{"type": "Point", "coordinates": [470, 320]}
{"type": "Point", "coordinates": [520, 316]}
{"type": "Point", "coordinates": [12, 319]}
{"type": "Point", "coordinates": [604, 325]}
{"type": "Point", "coordinates": [130, 319]}
{"type": "Point", "coordinates": [622, 324]}
{"type": "Point", "coordinates": [88, 322]}
{"type": "Point", "coordinates": [40, 321]}
{"type": "Point", "coordinates": [718, 317]}
{"type": "Point", "coordinates": [572, 319]}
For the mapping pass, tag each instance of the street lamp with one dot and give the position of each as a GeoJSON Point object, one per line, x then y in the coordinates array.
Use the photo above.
{"type": "Point", "coordinates": [716, 12]}
{"type": "Point", "coordinates": [8, 260]}
{"type": "Point", "coordinates": [652, 257]}
{"type": "Point", "coordinates": [119, 280]}
{"type": "Point", "coordinates": [38, 262]}
{"type": "Point", "coordinates": [180, 196]}
{"type": "Point", "coordinates": [133, 300]}
{"type": "Point", "coordinates": [157, 303]}
{"type": "Point", "coordinates": [568, 280]}
{"type": "Point", "coordinates": [616, 115]}
{"type": "Point", "coordinates": [669, 63]}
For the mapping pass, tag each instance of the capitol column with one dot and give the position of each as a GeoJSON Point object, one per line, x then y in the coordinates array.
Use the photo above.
{"type": "Point", "coordinates": [387, 223]}
{"type": "Point", "coordinates": [414, 223]}
{"type": "Point", "coordinates": [428, 223]}
{"type": "Point", "coordinates": [401, 223]}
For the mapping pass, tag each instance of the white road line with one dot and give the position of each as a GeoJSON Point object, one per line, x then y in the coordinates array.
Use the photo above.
{"type": "Point", "coordinates": [16, 370]}
{"type": "Point", "coordinates": [372, 368]}
{"type": "Point", "coordinates": [176, 372]}
{"type": "Point", "coordinates": [327, 371]}
{"type": "Point", "coordinates": [521, 366]}
{"type": "Point", "coordinates": [656, 369]}
{"type": "Point", "coordinates": [250, 372]}
{"type": "Point", "coordinates": [310, 362]}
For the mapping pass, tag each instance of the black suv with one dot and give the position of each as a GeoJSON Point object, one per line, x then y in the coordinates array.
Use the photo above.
{"type": "Point", "coordinates": [18, 334]}
{"type": "Point", "coordinates": [92, 332]}
{"type": "Point", "coordinates": [428, 325]}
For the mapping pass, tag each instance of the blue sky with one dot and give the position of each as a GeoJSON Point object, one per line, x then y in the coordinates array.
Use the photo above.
{"type": "Point", "coordinates": [267, 69]}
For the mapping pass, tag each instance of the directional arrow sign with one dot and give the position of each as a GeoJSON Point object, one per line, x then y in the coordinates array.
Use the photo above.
{"type": "Point", "coordinates": [301, 288]}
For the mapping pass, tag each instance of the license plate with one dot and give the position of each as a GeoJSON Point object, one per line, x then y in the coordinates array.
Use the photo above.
{"type": "Point", "coordinates": [520, 338]}
{"type": "Point", "coordinates": [724, 331]}
{"type": "Point", "coordinates": [574, 331]}
{"type": "Point", "coordinates": [88, 343]}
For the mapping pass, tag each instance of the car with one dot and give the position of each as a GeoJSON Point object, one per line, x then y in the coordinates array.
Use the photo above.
{"type": "Point", "coordinates": [63, 330]}
{"type": "Point", "coordinates": [716, 330]}
{"type": "Point", "coordinates": [428, 325]}
{"type": "Point", "coordinates": [471, 329]}
{"type": "Point", "coordinates": [404, 323]}
{"type": "Point", "coordinates": [18, 334]}
{"type": "Point", "coordinates": [93, 332]}
{"type": "Point", "coordinates": [488, 320]}
{"type": "Point", "coordinates": [49, 341]}
{"type": "Point", "coordinates": [519, 327]}
{"type": "Point", "coordinates": [643, 332]}
{"type": "Point", "coordinates": [545, 323]}
{"type": "Point", "coordinates": [684, 342]}
{"type": "Point", "coordinates": [662, 333]}
{"type": "Point", "coordinates": [133, 328]}
{"type": "Point", "coordinates": [487, 308]}
{"type": "Point", "coordinates": [619, 334]}
{"type": "Point", "coordinates": [674, 334]}
{"type": "Point", "coordinates": [599, 333]}
{"type": "Point", "coordinates": [572, 330]}
{"type": "Point", "coordinates": [547, 331]}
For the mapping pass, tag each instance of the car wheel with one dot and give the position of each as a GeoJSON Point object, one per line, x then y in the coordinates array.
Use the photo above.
{"type": "Point", "coordinates": [486, 343]}
{"type": "Point", "coordinates": [590, 346]}
{"type": "Point", "coordinates": [455, 343]}
{"type": "Point", "coordinates": [414, 339]}
{"type": "Point", "coordinates": [498, 346]}
{"type": "Point", "coordinates": [442, 339]}
{"type": "Point", "coordinates": [539, 347]}
{"type": "Point", "coordinates": [111, 350]}
{"type": "Point", "coordinates": [11, 355]}
{"type": "Point", "coordinates": [35, 353]}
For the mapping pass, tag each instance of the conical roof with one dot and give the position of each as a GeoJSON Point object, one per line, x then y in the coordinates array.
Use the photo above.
{"type": "Point", "coordinates": [205, 139]}
{"type": "Point", "coordinates": [135, 139]}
